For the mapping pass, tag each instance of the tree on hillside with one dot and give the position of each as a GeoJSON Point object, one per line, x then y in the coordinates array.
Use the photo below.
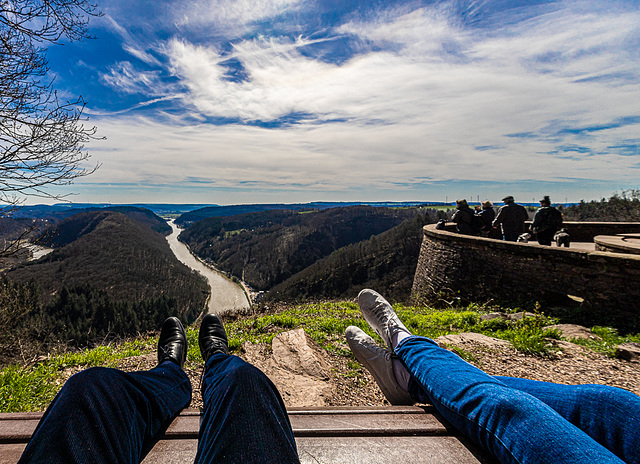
{"type": "Point", "coordinates": [42, 136]}
{"type": "Point", "coordinates": [620, 207]}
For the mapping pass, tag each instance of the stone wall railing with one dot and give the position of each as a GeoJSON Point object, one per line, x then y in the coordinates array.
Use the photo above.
{"type": "Point", "coordinates": [481, 269]}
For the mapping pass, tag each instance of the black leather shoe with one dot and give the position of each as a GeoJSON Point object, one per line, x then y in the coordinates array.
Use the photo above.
{"type": "Point", "coordinates": [212, 338]}
{"type": "Point", "coordinates": [172, 344]}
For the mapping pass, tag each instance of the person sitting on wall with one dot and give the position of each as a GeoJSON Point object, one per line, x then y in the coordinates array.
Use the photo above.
{"type": "Point", "coordinates": [487, 214]}
{"type": "Point", "coordinates": [516, 420]}
{"type": "Point", "coordinates": [464, 218]}
{"type": "Point", "coordinates": [511, 218]}
{"type": "Point", "coordinates": [546, 222]}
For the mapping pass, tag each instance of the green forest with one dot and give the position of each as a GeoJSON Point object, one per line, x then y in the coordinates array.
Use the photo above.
{"type": "Point", "coordinates": [619, 207]}
{"type": "Point", "coordinates": [118, 277]}
{"type": "Point", "coordinates": [266, 248]}
{"type": "Point", "coordinates": [386, 262]}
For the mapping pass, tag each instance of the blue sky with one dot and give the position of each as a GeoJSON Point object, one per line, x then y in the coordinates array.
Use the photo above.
{"type": "Point", "coordinates": [255, 101]}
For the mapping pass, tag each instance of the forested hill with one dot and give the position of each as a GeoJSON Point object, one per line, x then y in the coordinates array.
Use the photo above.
{"type": "Point", "coordinates": [267, 248]}
{"type": "Point", "coordinates": [619, 207]}
{"type": "Point", "coordinates": [84, 222]}
{"type": "Point", "coordinates": [118, 277]}
{"type": "Point", "coordinates": [386, 262]}
{"type": "Point", "coordinates": [55, 215]}
{"type": "Point", "coordinates": [118, 254]}
{"type": "Point", "coordinates": [190, 217]}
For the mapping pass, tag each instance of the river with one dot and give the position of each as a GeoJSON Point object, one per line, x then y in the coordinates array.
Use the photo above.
{"type": "Point", "coordinates": [226, 295]}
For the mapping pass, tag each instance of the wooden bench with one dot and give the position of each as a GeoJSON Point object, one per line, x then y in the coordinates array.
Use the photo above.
{"type": "Point", "coordinates": [371, 435]}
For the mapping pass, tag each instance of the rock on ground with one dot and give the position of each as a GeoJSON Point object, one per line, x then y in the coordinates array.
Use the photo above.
{"type": "Point", "coordinates": [571, 331]}
{"type": "Point", "coordinates": [297, 366]}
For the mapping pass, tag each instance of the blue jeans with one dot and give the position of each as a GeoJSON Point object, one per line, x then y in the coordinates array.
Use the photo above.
{"type": "Point", "coordinates": [106, 415]}
{"type": "Point", "coordinates": [525, 421]}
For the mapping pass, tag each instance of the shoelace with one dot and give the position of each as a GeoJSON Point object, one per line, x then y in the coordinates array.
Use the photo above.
{"type": "Point", "coordinates": [169, 351]}
{"type": "Point", "coordinates": [373, 346]}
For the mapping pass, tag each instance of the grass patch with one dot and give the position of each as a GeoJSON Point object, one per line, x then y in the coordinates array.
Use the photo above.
{"type": "Point", "coordinates": [610, 339]}
{"type": "Point", "coordinates": [32, 387]}
{"type": "Point", "coordinates": [27, 389]}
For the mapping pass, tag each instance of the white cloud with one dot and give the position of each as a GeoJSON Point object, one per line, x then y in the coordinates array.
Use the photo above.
{"type": "Point", "coordinates": [425, 32]}
{"type": "Point", "coordinates": [130, 43]}
{"type": "Point", "coordinates": [400, 85]}
{"type": "Point", "coordinates": [234, 17]}
{"type": "Point", "coordinates": [124, 77]}
{"type": "Point", "coordinates": [326, 158]}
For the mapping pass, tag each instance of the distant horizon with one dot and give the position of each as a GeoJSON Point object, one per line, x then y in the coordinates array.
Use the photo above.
{"type": "Point", "coordinates": [204, 205]}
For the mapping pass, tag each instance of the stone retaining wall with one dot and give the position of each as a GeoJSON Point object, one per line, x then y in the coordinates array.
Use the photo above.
{"type": "Point", "coordinates": [481, 269]}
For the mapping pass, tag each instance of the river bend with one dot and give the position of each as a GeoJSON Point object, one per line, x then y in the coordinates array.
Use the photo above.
{"type": "Point", "coordinates": [226, 295]}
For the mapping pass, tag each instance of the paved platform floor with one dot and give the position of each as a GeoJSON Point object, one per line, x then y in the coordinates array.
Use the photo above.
{"type": "Point", "coordinates": [373, 435]}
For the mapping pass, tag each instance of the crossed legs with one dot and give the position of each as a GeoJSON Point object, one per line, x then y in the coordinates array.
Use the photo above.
{"type": "Point", "coordinates": [517, 420]}
{"type": "Point", "coordinates": [106, 415]}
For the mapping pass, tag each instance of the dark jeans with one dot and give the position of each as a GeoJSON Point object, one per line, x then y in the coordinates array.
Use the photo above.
{"type": "Point", "coordinates": [545, 237]}
{"type": "Point", "coordinates": [105, 415]}
{"type": "Point", "coordinates": [520, 420]}
{"type": "Point", "coordinates": [511, 236]}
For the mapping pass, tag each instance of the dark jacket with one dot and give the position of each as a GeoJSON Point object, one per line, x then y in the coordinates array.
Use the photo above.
{"type": "Point", "coordinates": [547, 219]}
{"type": "Point", "coordinates": [487, 215]}
{"type": "Point", "coordinates": [511, 217]}
{"type": "Point", "coordinates": [463, 217]}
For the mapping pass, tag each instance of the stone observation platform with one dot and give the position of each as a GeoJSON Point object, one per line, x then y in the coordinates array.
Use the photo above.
{"type": "Point", "coordinates": [621, 243]}
{"type": "Point", "coordinates": [602, 272]}
{"type": "Point", "coordinates": [367, 435]}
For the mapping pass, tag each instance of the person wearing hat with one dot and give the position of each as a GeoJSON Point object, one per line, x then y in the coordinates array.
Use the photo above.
{"type": "Point", "coordinates": [464, 219]}
{"type": "Point", "coordinates": [546, 222]}
{"type": "Point", "coordinates": [511, 218]}
{"type": "Point", "coordinates": [486, 215]}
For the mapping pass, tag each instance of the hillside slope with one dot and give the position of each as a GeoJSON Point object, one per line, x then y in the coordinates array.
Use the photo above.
{"type": "Point", "coordinates": [114, 253]}
{"type": "Point", "coordinates": [118, 277]}
{"type": "Point", "coordinates": [268, 247]}
{"type": "Point", "coordinates": [386, 262]}
{"type": "Point", "coordinates": [199, 214]}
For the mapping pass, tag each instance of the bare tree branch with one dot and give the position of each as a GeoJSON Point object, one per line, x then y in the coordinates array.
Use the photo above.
{"type": "Point", "coordinates": [42, 139]}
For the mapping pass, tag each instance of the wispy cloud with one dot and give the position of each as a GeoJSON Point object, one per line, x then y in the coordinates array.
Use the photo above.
{"type": "Point", "coordinates": [125, 78]}
{"type": "Point", "coordinates": [230, 17]}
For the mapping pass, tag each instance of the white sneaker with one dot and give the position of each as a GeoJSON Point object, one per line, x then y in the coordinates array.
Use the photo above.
{"type": "Point", "coordinates": [378, 361]}
{"type": "Point", "coordinates": [380, 315]}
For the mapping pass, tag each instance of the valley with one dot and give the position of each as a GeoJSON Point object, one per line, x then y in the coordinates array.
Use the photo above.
{"type": "Point", "coordinates": [226, 296]}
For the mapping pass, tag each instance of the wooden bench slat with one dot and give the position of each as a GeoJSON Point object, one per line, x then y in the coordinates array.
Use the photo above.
{"type": "Point", "coordinates": [11, 452]}
{"type": "Point", "coordinates": [384, 450]}
{"type": "Point", "coordinates": [316, 422]}
{"type": "Point", "coordinates": [328, 435]}
{"type": "Point", "coordinates": [17, 430]}
{"type": "Point", "coordinates": [345, 450]}
{"type": "Point", "coordinates": [336, 424]}
{"type": "Point", "coordinates": [328, 410]}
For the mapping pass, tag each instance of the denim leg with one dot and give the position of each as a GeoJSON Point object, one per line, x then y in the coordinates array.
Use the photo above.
{"type": "Point", "coordinates": [245, 420]}
{"type": "Point", "coordinates": [609, 415]}
{"type": "Point", "coordinates": [514, 426]}
{"type": "Point", "coordinates": [106, 415]}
